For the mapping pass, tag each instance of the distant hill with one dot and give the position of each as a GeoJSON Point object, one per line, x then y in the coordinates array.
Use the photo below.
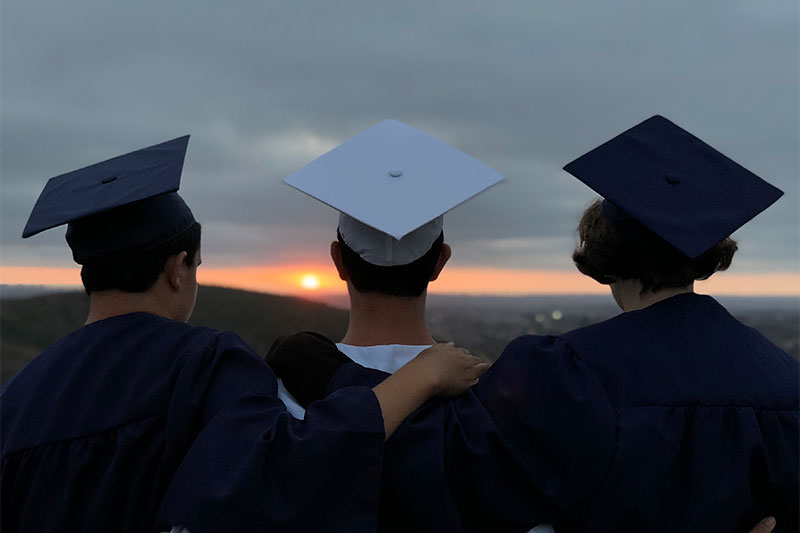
{"type": "Point", "coordinates": [14, 292]}
{"type": "Point", "coordinates": [28, 326]}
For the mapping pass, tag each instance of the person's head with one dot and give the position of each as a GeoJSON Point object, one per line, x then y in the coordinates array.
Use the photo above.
{"type": "Point", "coordinates": [670, 204]}
{"type": "Point", "coordinates": [172, 263]}
{"type": "Point", "coordinates": [128, 227]}
{"type": "Point", "coordinates": [408, 280]}
{"type": "Point", "coordinates": [149, 246]}
{"type": "Point", "coordinates": [613, 251]}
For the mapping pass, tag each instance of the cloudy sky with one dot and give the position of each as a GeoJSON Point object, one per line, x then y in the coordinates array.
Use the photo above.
{"type": "Point", "coordinates": [264, 87]}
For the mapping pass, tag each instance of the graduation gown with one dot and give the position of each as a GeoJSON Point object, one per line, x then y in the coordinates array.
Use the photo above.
{"type": "Point", "coordinates": [673, 418]}
{"type": "Point", "coordinates": [139, 423]}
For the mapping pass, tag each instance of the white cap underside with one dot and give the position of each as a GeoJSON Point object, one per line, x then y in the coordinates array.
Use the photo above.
{"type": "Point", "coordinates": [379, 248]}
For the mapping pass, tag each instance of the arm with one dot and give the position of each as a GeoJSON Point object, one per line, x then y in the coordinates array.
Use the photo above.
{"type": "Point", "coordinates": [253, 465]}
{"type": "Point", "coordinates": [249, 464]}
{"type": "Point", "coordinates": [307, 361]}
{"type": "Point", "coordinates": [505, 456]}
{"type": "Point", "coordinates": [442, 370]}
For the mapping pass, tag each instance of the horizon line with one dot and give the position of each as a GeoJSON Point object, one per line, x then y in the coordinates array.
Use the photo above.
{"type": "Point", "coordinates": [475, 281]}
{"type": "Point", "coordinates": [323, 295]}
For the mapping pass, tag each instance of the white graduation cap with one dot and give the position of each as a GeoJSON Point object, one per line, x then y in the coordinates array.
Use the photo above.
{"type": "Point", "coordinates": [392, 184]}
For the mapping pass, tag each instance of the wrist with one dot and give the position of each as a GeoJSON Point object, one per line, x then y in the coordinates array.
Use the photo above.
{"type": "Point", "coordinates": [426, 375]}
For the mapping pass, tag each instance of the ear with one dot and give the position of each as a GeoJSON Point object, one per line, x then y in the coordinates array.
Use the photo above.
{"type": "Point", "coordinates": [444, 256]}
{"type": "Point", "coordinates": [336, 255]}
{"type": "Point", "coordinates": [174, 271]}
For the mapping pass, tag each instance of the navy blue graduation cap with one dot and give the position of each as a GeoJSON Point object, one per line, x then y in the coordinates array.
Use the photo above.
{"type": "Point", "coordinates": [674, 184]}
{"type": "Point", "coordinates": [119, 207]}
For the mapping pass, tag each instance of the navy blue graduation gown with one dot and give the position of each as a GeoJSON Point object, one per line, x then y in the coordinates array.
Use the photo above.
{"type": "Point", "coordinates": [138, 423]}
{"type": "Point", "coordinates": [673, 418]}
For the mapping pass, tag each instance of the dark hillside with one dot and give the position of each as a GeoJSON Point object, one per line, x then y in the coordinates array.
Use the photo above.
{"type": "Point", "coordinates": [259, 318]}
{"type": "Point", "coordinates": [28, 326]}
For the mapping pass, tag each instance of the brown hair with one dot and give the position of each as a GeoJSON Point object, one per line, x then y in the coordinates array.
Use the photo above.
{"type": "Point", "coordinates": [627, 250]}
{"type": "Point", "coordinates": [140, 272]}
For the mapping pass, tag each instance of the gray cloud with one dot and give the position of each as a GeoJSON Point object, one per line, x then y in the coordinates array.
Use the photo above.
{"type": "Point", "coordinates": [266, 86]}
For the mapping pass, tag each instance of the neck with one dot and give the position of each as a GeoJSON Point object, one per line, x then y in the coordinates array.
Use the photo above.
{"type": "Point", "coordinates": [629, 296]}
{"type": "Point", "coordinates": [377, 319]}
{"type": "Point", "coordinates": [110, 303]}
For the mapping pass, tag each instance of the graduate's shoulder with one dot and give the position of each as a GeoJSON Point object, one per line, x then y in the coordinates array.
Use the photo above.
{"type": "Point", "coordinates": [687, 350]}
{"type": "Point", "coordinates": [137, 366]}
{"type": "Point", "coordinates": [171, 338]}
{"type": "Point", "coordinates": [543, 359]}
{"type": "Point", "coordinates": [193, 336]}
{"type": "Point", "coordinates": [145, 335]}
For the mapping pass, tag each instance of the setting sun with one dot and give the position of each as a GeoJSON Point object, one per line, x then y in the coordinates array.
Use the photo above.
{"type": "Point", "coordinates": [309, 282]}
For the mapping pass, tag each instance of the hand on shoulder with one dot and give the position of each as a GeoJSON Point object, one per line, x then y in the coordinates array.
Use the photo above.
{"type": "Point", "coordinates": [451, 368]}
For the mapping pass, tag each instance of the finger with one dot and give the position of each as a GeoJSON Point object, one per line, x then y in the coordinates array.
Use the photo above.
{"type": "Point", "coordinates": [765, 526]}
{"type": "Point", "coordinates": [480, 369]}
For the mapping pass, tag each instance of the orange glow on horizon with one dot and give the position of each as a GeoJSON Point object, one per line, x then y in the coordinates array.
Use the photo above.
{"type": "Point", "coordinates": [283, 279]}
{"type": "Point", "coordinates": [300, 279]}
{"type": "Point", "coordinates": [40, 276]}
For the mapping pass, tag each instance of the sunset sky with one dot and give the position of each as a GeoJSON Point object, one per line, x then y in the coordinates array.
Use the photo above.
{"type": "Point", "coordinates": [265, 87]}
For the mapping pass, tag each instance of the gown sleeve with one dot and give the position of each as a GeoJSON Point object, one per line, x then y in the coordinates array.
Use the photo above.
{"type": "Point", "coordinates": [531, 443]}
{"type": "Point", "coordinates": [252, 465]}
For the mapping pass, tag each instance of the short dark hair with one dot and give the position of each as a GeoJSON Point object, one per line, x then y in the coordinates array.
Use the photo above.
{"type": "Point", "coordinates": [628, 250]}
{"type": "Point", "coordinates": [408, 281]}
{"type": "Point", "coordinates": [139, 272]}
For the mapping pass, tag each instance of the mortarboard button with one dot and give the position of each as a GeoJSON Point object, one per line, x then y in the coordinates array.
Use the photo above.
{"type": "Point", "coordinates": [395, 173]}
{"type": "Point", "coordinates": [673, 179]}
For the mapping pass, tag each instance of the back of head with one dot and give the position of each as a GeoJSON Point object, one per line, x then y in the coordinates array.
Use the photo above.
{"type": "Point", "coordinates": [407, 280]}
{"type": "Point", "coordinates": [627, 250]}
{"type": "Point", "coordinates": [139, 271]}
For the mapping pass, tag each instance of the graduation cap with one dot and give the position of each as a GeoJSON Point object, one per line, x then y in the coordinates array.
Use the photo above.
{"type": "Point", "coordinates": [674, 184]}
{"type": "Point", "coordinates": [119, 207]}
{"type": "Point", "coordinates": [392, 184]}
